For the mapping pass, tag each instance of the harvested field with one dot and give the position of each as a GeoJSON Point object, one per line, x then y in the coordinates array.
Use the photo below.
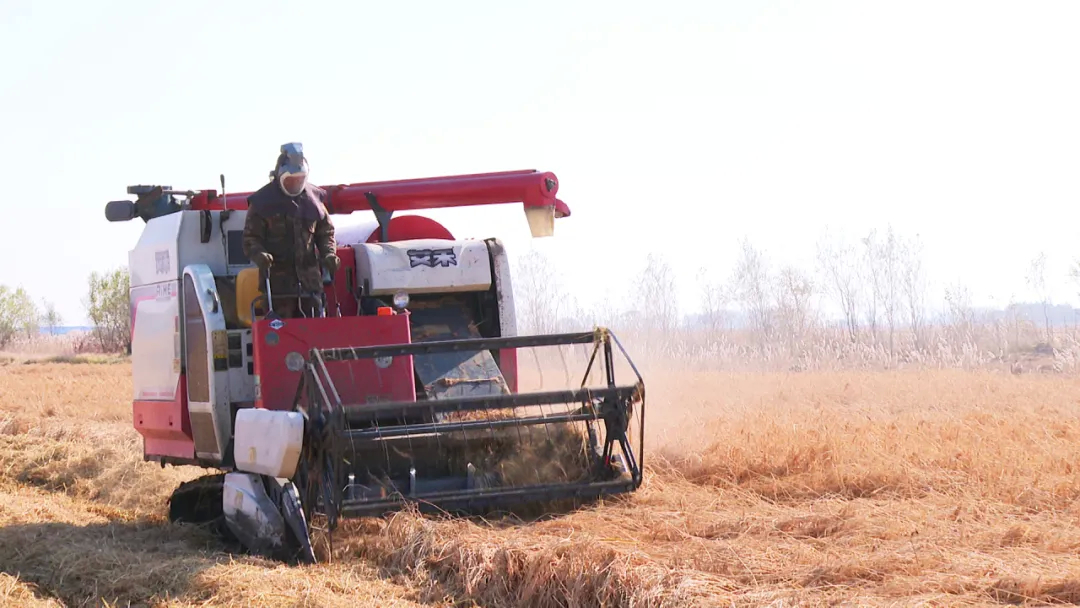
{"type": "Point", "coordinates": [876, 488]}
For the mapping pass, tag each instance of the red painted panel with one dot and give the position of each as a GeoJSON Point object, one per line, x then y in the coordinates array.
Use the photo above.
{"type": "Point", "coordinates": [360, 381]}
{"type": "Point", "coordinates": [343, 289]}
{"type": "Point", "coordinates": [509, 367]}
{"type": "Point", "coordinates": [165, 426]}
{"type": "Point", "coordinates": [408, 227]}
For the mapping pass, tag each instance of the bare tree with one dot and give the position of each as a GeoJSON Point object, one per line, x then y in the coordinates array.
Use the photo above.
{"type": "Point", "coordinates": [1013, 321]}
{"type": "Point", "coordinates": [656, 290]}
{"type": "Point", "coordinates": [1074, 272]}
{"type": "Point", "coordinates": [50, 317]}
{"type": "Point", "coordinates": [913, 283]}
{"type": "Point", "coordinates": [960, 316]}
{"type": "Point", "coordinates": [793, 292]}
{"type": "Point", "coordinates": [540, 295]}
{"type": "Point", "coordinates": [889, 253]}
{"type": "Point", "coordinates": [872, 276]}
{"type": "Point", "coordinates": [714, 301]}
{"type": "Point", "coordinates": [883, 266]}
{"type": "Point", "coordinates": [838, 264]}
{"type": "Point", "coordinates": [752, 289]}
{"type": "Point", "coordinates": [1036, 280]}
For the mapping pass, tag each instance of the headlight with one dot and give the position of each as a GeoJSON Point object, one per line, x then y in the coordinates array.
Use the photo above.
{"type": "Point", "coordinates": [294, 361]}
{"type": "Point", "coordinates": [401, 300]}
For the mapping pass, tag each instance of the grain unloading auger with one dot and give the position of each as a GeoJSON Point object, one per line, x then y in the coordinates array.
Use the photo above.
{"type": "Point", "coordinates": [401, 388]}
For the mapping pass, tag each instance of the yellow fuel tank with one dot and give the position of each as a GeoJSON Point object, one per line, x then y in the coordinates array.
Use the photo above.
{"type": "Point", "coordinates": [247, 289]}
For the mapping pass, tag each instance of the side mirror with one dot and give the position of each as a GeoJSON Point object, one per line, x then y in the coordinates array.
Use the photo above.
{"type": "Point", "coordinates": [120, 211]}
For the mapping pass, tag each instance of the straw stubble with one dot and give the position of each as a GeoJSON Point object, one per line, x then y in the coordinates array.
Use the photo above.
{"type": "Point", "coordinates": [945, 487]}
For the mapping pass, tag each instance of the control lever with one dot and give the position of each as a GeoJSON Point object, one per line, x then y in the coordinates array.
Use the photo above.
{"type": "Point", "coordinates": [270, 314]}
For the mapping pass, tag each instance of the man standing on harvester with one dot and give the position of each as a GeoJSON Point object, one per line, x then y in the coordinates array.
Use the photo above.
{"type": "Point", "coordinates": [288, 233]}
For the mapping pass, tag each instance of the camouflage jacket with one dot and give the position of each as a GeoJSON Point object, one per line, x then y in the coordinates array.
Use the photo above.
{"type": "Point", "coordinates": [297, 232]}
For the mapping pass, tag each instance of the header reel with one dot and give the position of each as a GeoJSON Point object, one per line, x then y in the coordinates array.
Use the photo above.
{"type": "Point", "coordinates": [464, 453]}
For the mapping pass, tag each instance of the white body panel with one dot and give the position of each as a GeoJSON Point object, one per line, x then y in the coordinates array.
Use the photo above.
{"type": "Point", "coordinates": [155, 344]}
{"type": "Point", "coordinates": [158, 255]}
{"type": "Point", "coordinates": [156, 266]}
{"type": "Point", "coordinates": [155, 308]}
{"type": "Point", "coordinates": [153, 260]}
{"type": "Point", "coordinates": [424, 266]}
{"type": "Point", "coordinates": [268, 442]}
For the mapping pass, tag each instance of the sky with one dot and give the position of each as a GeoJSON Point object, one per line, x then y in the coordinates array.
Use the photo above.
{"type": "Point", "coordinates": [955, 121]}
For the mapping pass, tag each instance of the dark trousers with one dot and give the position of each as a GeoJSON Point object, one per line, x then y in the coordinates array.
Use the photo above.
{"type": "Point", "coordinates": [286, 303]}
{"type": "Point", "coordinates": [287, 307]}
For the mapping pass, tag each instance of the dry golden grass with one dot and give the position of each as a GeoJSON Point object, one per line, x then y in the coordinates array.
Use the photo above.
{"type": "Point", "coordinates": [13, 592]}
{"type": "Point", "coordinates": [909, 488]}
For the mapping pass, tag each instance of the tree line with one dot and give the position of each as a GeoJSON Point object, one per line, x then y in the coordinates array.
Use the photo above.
{"type": "Point", "coordinates": [22, 319]}
{"type": "Point", "coordinates": [876, 288]}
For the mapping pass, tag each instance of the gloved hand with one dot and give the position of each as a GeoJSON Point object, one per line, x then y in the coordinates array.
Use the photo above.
{"type": "Point", "coordinates": [263, 260]}
{"type": "Point", "coordinates": [331, 262]}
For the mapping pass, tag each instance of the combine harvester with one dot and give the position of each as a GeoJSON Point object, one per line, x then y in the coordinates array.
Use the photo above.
{"type": "Point", "coordinates": [360, 407]}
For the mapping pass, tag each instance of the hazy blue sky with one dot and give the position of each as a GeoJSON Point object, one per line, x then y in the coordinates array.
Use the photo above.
{"type": "Point", "coordinates": [956, 120]}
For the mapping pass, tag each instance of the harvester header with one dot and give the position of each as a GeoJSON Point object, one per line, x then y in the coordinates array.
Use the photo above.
{"type": "Point", "coordinates": [400, 387]}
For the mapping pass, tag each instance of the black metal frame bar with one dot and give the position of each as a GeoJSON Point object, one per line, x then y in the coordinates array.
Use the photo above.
{"type": "Point", "coordinates": [355, 413]}
{"type": "Point", "coordinates": [481, 498]}
{"type": "Point", "coordinates": [435, 427]}
{"type": "Point", "coordinates": [466, 344]}
{"type": "Point", "coordinates": [329, 437]}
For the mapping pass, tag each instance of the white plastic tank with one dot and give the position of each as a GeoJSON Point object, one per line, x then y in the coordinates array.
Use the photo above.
{"type": "Point", "coordinates": [268, 442]}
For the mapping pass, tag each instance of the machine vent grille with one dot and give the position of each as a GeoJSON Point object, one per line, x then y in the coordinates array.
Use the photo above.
{"type": "Point", "coordinates": [198, 360]}
{"type": "Point", "coordinates": [204, 432]}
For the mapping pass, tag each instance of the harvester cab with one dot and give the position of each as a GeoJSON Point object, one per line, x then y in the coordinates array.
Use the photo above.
{"type": "Point", "coordinates": [400, 387]}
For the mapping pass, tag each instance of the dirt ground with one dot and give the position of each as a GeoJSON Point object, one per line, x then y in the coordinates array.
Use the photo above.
{"type": "Point", "coordinates": [934, 488]}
